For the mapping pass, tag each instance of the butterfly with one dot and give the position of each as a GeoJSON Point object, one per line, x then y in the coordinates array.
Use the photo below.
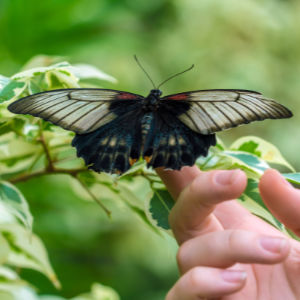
{"type": "Point", "coordinates": [115, 128]}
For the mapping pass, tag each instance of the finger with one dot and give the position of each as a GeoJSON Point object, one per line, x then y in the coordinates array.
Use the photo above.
{"type": "Point", "coordinates": [191, 214]}
{"type": "Point", "coordinates": [204, 282]}
{"type": "Point", "coordinates": [282, 199]}
{"type": "Point", "coordinates": [176, 181]}
{"type": "Point", "coordinates": [223, 249]}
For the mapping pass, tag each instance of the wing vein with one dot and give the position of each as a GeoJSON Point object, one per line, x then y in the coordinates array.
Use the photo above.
{"type": "Point", "coordinates": [209, 116]}
{"type": "Point", "coordinates": [223, 113]}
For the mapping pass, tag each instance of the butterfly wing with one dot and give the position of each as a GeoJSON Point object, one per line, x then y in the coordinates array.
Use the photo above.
{"type": "Point", "coordinates": [111, 147]}
{"type": "Point", "coordinates": [80, 110]}
{"type": "Point", "coordinates": [209, 111]}
{"type": "Point", "coordinates": [172, 144]}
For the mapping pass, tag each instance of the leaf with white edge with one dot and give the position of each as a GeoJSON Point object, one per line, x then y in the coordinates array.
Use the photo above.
{"type": "Point", "coordinates": [252, 192]}
{"type": "Point", "coordinates": [8, 274]}
{"type": "Point", "coordinates": [61, 79]}
{"type": "Point", "coordinates": [138, 167]}
{"type": "Point", "coordinates": [135, 191]}
{"type": "Point", "coordinates": [159, 209]}
{"type": "Point", "coordinates": [249, 160]}
{"type": "Point", "coordinates": [40, 70]}
{"type": "Point", "coordinates": [99, 292]}
{"type": "Point", "coordinates": [261, 148]}
{"type": "Point", "coordinates": [27, 251]}
{"type": "Point", "coordinates": [85, 71]}
{"type": "Point", "coordinates": [12, 90]}
{"type": "Point", "coordinates": [3, 81]}
{"type": "Point", "coordinates": [4, 250]}
{"type": "Point", "coordinates": [49, 297]}
{"type": "Point", "coordinates": [17, 291]}
{"type": "Point", "coordinates": [15, 203]}
{"type": "Point", "coordinates": [292, 177]}
{"type": "Point", "coordinates": [259, 211]}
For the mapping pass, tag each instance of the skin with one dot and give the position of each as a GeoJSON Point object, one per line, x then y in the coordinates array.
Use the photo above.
{"type": "Point", "coordinates": [225, 252]}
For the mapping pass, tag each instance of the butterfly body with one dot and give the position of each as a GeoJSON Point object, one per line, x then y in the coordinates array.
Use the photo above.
{"type": "Point", "coordinates": [114, 128]}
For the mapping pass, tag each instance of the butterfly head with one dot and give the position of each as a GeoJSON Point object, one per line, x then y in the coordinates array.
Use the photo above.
{"type": "Point", "coordinates": [155, 93]}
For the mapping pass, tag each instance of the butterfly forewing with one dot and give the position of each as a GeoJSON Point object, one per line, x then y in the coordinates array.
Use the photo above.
{"type": "Point", "coordinates": [216, 110]}
{"type": "Point", "coordinates": [78, 110]}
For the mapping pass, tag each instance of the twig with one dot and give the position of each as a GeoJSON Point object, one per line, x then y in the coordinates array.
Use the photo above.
{"type": "Point", "coordinates": [108, 212]}
{"type": "Point", "coordinates": [41, 139]}
{"type": "Point", "coordinates": [25, 177]}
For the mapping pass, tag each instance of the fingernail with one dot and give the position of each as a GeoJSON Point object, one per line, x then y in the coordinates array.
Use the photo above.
{"type": "Point", "coordinates": [226, 177]}
{"type": "Point", "coordinates": [273, 244]}
{"type": "Point", "coordinates": [233, 275]}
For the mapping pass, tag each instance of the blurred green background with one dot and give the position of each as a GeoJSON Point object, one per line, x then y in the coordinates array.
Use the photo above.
{"type": "Point", "coordinates": [247, 44]}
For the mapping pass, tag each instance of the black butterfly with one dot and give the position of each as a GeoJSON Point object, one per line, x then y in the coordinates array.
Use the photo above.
{"type": "Point", "coordinates": [114, 128]}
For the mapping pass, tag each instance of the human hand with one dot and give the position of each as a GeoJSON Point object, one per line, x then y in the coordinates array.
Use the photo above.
{"type": "Point", "coordinates": [225, 251]}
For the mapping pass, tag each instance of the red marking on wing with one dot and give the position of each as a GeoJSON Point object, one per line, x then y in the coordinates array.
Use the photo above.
{"type": "Point", "coordinates": [177, 97]}
{"type": "Point", "coordinates": [124, 96]}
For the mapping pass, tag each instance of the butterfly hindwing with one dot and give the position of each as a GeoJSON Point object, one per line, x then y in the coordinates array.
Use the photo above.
{"type": "Point", "coordinates": [173, 145]}
{"type": "Point", "coordinates": [216, 110]}
{"type": "Point", "coordinates": [79, 110]}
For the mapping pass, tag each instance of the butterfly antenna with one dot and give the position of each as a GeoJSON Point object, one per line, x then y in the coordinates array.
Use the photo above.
{"type": "Point", "coordinates": [140, 65]}
{"type": "Point", "coordinates": [171, 77]}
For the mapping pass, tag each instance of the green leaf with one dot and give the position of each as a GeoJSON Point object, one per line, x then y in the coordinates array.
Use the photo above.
{"type": "Point", "coordinates": [252, 192]}
{"type": "Point", "coordinates": [8, 274]}
{"type": "Point", "coordinates": [3, 81]}
{"type": "Point", "coordinates": [292, 177]}
{"type": "Point", "coordinates": [49, 297]}
{"type": "Point", "coordinates": [27, 74]}
{"type": "Point", "coordinates": [15, 203]}
{"type": "Point", "coordinates": [12, 90]}
{"type": "Point", "coordinates": [99, 292]}
{"type": "Point", "coordinates": [160, 206]}
{"type": "Point", "coordinates": [27, 251]}
{"type": "Point", "coordinates": [259, 211]}
{"type": "Point", "coordinates": [250, 160]}
{"type": "Point", "coordinates": [250, 147]}
{"type": "Point", "coordinates": [4, 250]}
{"type": "Point", "coordinates": [16, 291]}
{"type": "Point", "coordinates": [135, 190]}
{"type": "Point", "coordinates": [262, 148]}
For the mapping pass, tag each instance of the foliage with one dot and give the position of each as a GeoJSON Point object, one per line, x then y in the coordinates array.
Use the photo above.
{"type": "Point", "coordinates": [32, 148]}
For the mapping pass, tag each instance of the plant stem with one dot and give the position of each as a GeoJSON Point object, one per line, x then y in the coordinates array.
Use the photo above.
{"type": "Point", "coordinates": [108, 212]}
{"type": "Point", "coordinates": [41, 139]}
{"type": "Point", "coordinates": [25, 177]}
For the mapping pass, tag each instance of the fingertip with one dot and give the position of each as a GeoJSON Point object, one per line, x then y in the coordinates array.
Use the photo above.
{"type": "Point", "coordinates": [218, 185]}
{"type": "Point", "coordinates": [230, 183]}
{"type": "Point", "coordinates": [281, 198]}
{"type": "Point", "coordinates": [175, 180]}
{"type": "Point", "coordinates": [272, 177]}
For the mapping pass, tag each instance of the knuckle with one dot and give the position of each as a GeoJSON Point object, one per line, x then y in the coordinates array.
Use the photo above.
{"type": "Point", "coordinates": [233, 240]}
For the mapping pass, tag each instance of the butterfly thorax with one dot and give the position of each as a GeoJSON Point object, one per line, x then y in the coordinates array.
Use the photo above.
{"type": "Point", "coordinates": [152, 101]}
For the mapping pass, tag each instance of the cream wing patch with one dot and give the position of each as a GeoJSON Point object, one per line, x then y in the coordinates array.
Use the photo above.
{"type": "Point", "coordinates": [217, 110]}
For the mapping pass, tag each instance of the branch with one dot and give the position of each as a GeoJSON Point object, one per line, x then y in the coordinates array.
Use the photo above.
{"type": "Point", "coordinates": [49, 166]}
{"type": "Point", "coordinates": [25, 177]}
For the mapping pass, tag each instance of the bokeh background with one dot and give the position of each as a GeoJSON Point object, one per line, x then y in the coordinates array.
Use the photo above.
{"type": "Point", "coordinates": [249, 44]}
